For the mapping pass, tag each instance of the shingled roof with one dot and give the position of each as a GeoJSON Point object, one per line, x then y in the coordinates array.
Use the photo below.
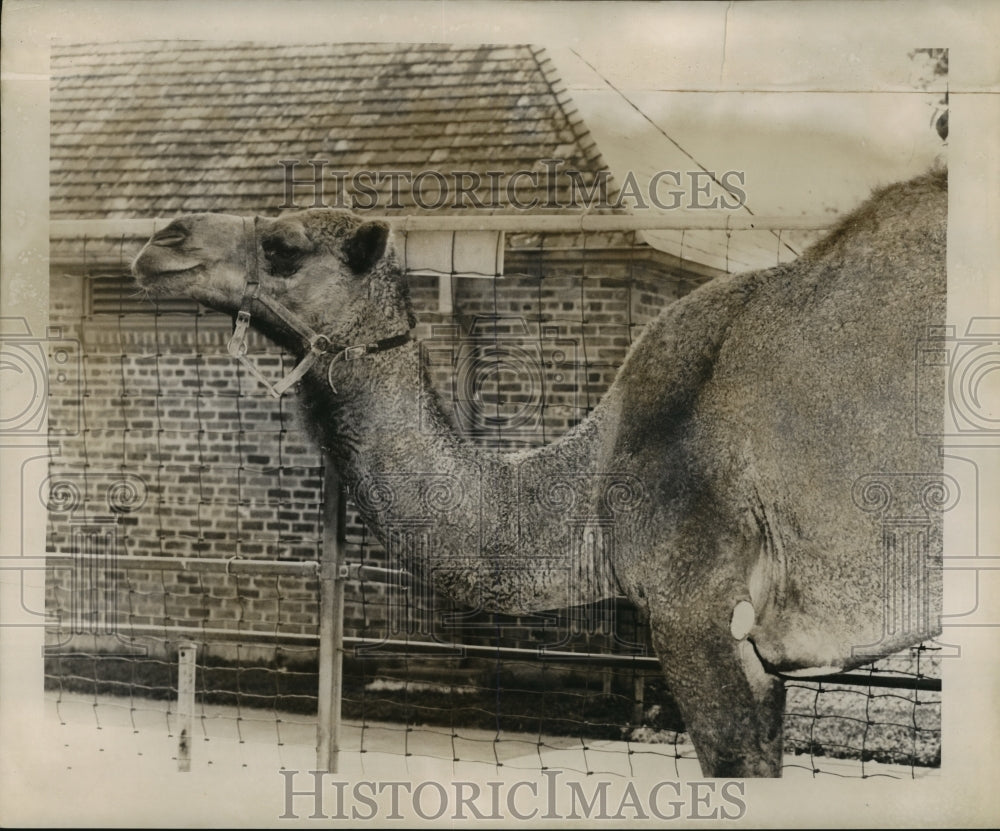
{"type": "Point", "coordinates": [153, 128]}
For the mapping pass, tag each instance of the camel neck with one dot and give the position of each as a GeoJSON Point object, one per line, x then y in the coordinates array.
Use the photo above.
{"type": "Point", "coordinates": [503, 532]}
{"type": "Point", "coordinates": [371, 404]}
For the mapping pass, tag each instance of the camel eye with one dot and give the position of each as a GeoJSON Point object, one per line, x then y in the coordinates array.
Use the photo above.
{"type": "Point", "coordinates": [282, 259]}
{"type": "Point", "coordinates": [283, 256]}
{"type": "Point", "coordinates": [276, 248]}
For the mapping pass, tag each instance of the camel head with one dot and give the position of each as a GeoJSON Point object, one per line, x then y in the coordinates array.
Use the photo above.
{"type": "Point", "coordinates": [333, 271]}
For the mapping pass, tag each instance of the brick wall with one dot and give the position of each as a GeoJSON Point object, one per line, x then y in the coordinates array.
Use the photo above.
{"type": "Point", "coordinates": [165, 441]}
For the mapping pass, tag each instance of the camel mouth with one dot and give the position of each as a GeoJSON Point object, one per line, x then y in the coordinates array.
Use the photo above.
{"type": "Point", "coordinates": [173, 272]}
{"type": "Point", "coordinates": [165, 282]}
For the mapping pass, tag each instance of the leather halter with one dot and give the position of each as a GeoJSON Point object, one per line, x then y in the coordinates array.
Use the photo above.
{"type": "Point", "coordinates": [315, 343]}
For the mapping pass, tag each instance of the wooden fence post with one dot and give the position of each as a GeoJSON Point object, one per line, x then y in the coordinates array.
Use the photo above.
{"type": "Point", "coordinates": [186, 655]}
{"type": "Point", "coordinates": [332, 573]}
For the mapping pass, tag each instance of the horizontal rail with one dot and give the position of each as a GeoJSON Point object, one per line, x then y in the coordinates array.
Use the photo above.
{"type": "Point", "coordinates": [135, 631]}
{"type": "Point", "coordinates": [645, 663]}
{"type": "Point", "coordinates": [882, 680]}
{"type": "Point", "coordinates": [230, 565]}
{"type": "Point", "coordinates": [873, 679]}
{"type": "Point", "coordinates": [520, 223]}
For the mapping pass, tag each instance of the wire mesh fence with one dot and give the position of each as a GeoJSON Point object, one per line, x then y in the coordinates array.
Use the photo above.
{"type": "Point", "coordinates": [185, 504]}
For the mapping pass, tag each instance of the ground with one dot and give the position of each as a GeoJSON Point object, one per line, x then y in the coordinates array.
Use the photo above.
{"type": "Point", "coordinates": [112, 761]}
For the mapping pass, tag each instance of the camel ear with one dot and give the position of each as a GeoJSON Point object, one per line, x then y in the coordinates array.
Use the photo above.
{"type": "Point", "coordinates": [366, 246]}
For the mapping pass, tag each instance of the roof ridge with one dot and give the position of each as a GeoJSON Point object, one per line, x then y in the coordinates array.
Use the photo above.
{"type": "Point", "coordinates": [574, 118]}
{"type": "Point", "coordinates": [66, 47]}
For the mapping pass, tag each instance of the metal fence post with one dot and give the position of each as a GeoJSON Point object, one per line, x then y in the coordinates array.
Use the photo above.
{"type": "Point", "coordinates": [331, 622]}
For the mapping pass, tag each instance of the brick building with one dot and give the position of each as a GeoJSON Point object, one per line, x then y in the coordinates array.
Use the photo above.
{"type": "Point", "coordinates": [163, 451]}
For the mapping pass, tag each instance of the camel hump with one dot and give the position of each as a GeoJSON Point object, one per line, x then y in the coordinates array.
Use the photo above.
{"type": "Point", "coordinates": [887, 254]}
{"type": "Point", "coordinates": [891, 219]}
{"type": "Point", "coordinates": [675, 357]}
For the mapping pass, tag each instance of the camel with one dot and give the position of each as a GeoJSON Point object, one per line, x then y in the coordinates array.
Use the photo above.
{"type": "Point", "coordinates": [731, 482]}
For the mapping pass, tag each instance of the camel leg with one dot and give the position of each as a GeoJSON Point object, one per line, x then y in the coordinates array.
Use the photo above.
{"type": "Point", "coordinates": [732, 708]}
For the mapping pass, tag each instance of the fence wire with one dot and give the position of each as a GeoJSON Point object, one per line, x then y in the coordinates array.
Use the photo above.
{"type": "Point", "coordinates": [185, 504]}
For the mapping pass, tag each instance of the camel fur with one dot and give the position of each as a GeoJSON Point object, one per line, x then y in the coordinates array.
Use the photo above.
{"type": "Point", "coordinates": [721, 482]}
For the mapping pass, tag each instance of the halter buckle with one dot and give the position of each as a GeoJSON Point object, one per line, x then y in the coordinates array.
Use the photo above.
{"type": "Point", "coordinates": [237, 346]}
{"type": "Point", "coordinates": [359, 351]}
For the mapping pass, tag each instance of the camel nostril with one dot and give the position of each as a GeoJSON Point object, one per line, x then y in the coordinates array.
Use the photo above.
{"type": "Point", "coordinates": [173, 234]}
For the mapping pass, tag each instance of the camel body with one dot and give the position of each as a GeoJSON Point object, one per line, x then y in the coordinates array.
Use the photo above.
{"type": "Point", "coordinates": [733, 482]}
